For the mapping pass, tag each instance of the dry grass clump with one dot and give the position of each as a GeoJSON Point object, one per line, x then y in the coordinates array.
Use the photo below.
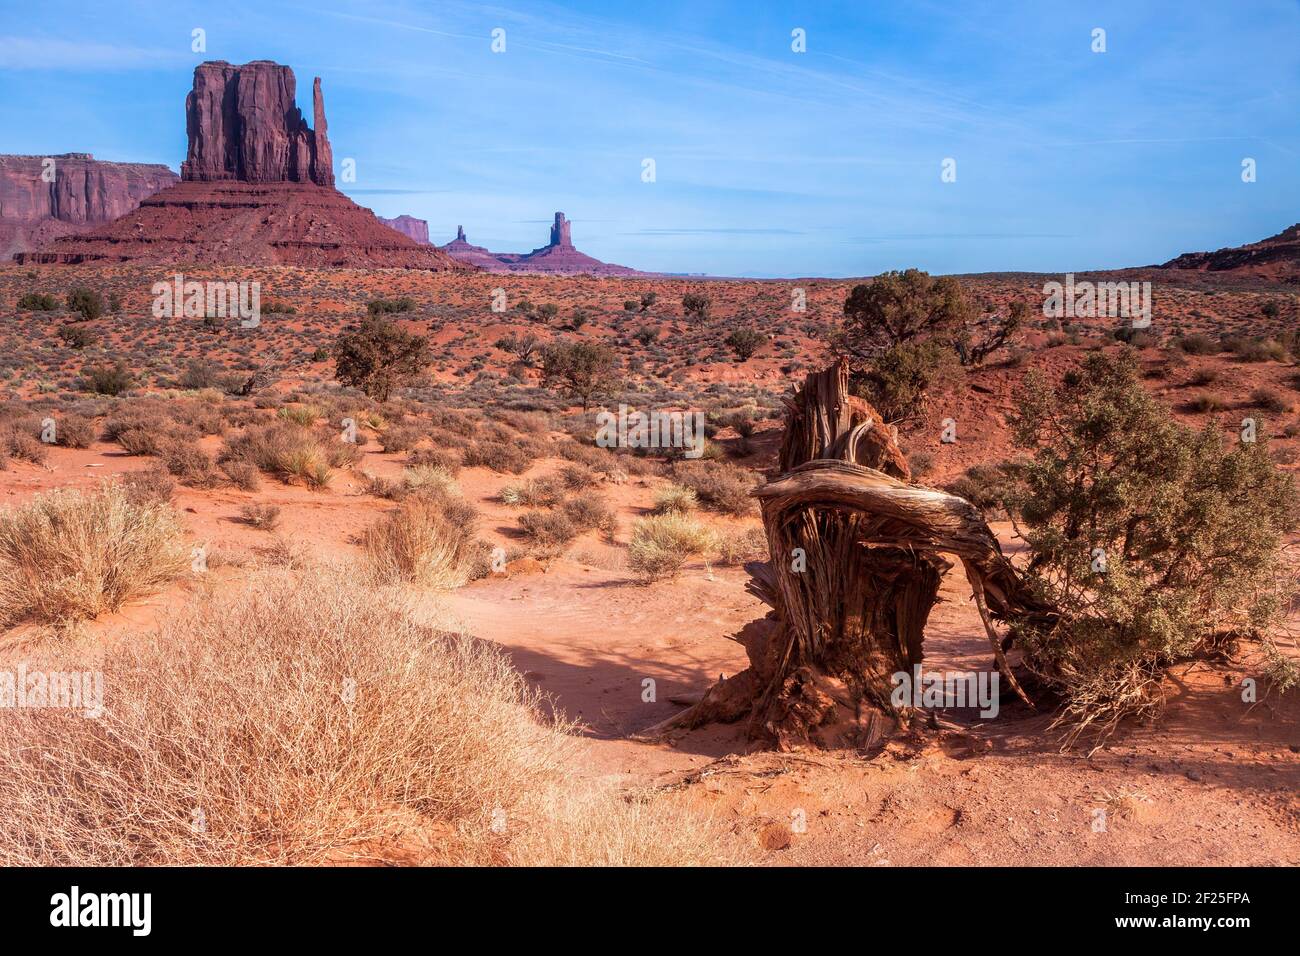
{"type": "Point", "coordinates": [152, 485]}
{"type": "Point", "coordinates": [675, 500]}
{"type": "Point", "coordinates": [291, 452]}
{"type": "Point", "coordinates": [448, 461]}
{"type": "Point", "coordinates": [661, 544]}
{"type": "Point", "coordinates": [260, 515]}
{"type": "Point", "coordinates": [501, 457]}
{"type": "Point", "coordinates": [589, 513]}
{"type": "Point", "coordinates": [307, 720]}
{"type": "Point", "coordinates": [534, 493]}
{"type": "Point", "coordinates": [549, 530]}
{"type": "Point", "coordinates": [749, 545]}
{"type": "Point", "coordinates": [191, 465]}
{"type": "Point", "coordinates": [70, 554]}
{"type": "Point", "coordinates": [428, 540]}
{"type": "Point", "coordinates": [15, 442]}
{"type": "Point", "coordinates": [719, 485]}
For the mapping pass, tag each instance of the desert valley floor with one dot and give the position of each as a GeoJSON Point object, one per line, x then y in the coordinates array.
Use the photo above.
{"type": "Point", "coordinates": [1212, 781]}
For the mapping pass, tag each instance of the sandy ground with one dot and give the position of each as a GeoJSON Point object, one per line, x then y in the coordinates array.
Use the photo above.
{"type": "Point", "coordinates": [1214, 781]}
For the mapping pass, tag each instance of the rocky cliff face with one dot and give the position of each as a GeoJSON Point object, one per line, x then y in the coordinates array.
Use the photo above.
{"type": "Point", "coordinates": [84, 192]}
{"type": "Point", "coordinates": [244, 124]}
{"type": "Point", "coordinates": [417, 229]}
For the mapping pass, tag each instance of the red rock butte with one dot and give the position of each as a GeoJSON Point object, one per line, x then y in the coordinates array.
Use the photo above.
{"type": "Point", "coordinates": [257, 188]}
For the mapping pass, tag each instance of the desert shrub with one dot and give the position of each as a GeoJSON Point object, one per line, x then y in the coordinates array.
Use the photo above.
{"type": "Point", "coordinates": [661, 544]}
{"type": "Point", "coordinates": [744, 342]}
{"type": "Point", "coordinates": [278, 307]}
{"type": "Point", "coordinates": [290, 452]}
{"type": "Point", "coordinates": [696, 304]}
{"type": "Point", "coordinates": [153, 485]}
{"type": "Point", "coordinates": [1203, 376]}
{"type": "Point", "coordinates": [428, 540]}
{"type": "Point", "coordinates": [899, 381]}
{"type": "Point", "coordinates": [241, 473]}
{"type": "Point", "coordinates": [36, 302]}
{"type": "Point", "coordinates": [987, 487]}
{"type": "Point", "coordinates": [141, 441]}
{"type": "Point", "coordinates": [448, 461]}
{"type": "Point", "coordinates": [304, 416]}
{"type": "Point", "coordinates": [522, 347]}
{"type": "Point", "coordinates": [534, 493]}
{"type": "Point", "coordinates": [1197, 344]}
{"type": "Point", "coordinates": [15, 442]}
{"type": "Point", "coordinates": [1269, 399]}
{"type": "Point", "coordinates": [718, 485]}
{"type": "Point", "coordinates": [314, 722]}
{"type": "Point", "coordinates": [71, 554]}
{"type": "Point", "coordinates": [77, 336]}
{"type": "Point", "coordinates": [1258, 350]}
{"type": "Point", "coordinates": [112, 378]}
{"type": "Point", "coordinates": [897, 309]}
{"type": "Point", "coordinates": [378, 356]}
{"type": "Point", "coordinates": [499, 457]}
{"type": "Point", "coordinates": [589, 513]}
{"type": "Point", "coordinates": [420, 478]}
{"type": "Point", "coordinates": [675, 500]}
{"type": "Point", "coordinates": [389, 306]}
{"type": "Point", "coordinates": [1188, 532]}
{"type": "Point", "coordinates": [577, 478]}
{"type": "Point", "coordinates": [88, 303]}
{"type": "Point", "coordinates": [1206, 402]}
{"type": "Point", "coordinates": [70, 431]}
{"type": "Point", "coordinates": [263, 516]}
{"type": "Point", "coordinates": [549, 529]}
{"type": "Point", "coordinates": [191, 465]}
{"type": "Point", "coordinates": [399, 438]}
{"type": "Point", "coordinates": [749, 545]}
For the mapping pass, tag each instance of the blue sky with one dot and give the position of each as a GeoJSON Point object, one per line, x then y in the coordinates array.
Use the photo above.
{"type": "Point", "coordinates": [768, 162]}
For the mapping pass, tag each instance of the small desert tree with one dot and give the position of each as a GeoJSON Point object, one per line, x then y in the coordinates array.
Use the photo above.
{"type": "Point", "coordinates": [1153, 541]}
{"type": "Point", "coordinates": [974, 350]}
{"type": "Point", "coordinates": [900, 335]}
{"type": "Point", "coordinates": [522, 347]}
{"type": "Point", "coordinates": [696, 304]}
{"type": "Point", "coordinates": [87, 302]}
{"type": "Point", "coordinates": [744, 342]}
{"type": "Point", "coordinates": [648, 299]}
{"type": "Point", "coordinates": [581, 370]}
{"type": "Point", "coordinates": [896, 308]}
{"type": "Point", "coordinates": [377, 356]}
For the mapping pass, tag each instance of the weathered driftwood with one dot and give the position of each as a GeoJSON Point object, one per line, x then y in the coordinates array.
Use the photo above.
{"type": "Point", "coordinates": [856, 561]}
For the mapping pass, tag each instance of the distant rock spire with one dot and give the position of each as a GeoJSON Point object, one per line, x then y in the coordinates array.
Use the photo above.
{"type": "Point", "coordinates": [460, 233]}
{"type": "Point", "coordinates": [560, 233]}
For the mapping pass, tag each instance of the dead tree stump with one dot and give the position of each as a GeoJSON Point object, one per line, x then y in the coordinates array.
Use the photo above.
{"type": "Point", "coordinates": [856, 557]}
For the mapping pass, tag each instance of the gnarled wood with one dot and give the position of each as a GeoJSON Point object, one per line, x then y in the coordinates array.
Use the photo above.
{"type": "Point", "coordinates": [856, 561]}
